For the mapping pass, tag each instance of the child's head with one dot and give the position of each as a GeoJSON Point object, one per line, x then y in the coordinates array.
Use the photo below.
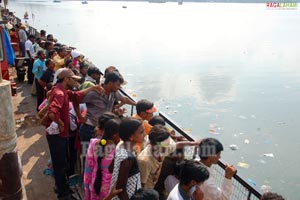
{"type": "Point", "coordinates": [271, 196]}
{"type": "Point", "coordinates": [161, 141]}
{"type": "Point", "coordinates": [193, 173]}
{"type": "Point", "coordinates": [102, 121]}
{"type": "Point", "coordinates": [210, 149]}
{"type": "Point", "coordinates": [145, 109]}
{"type": "Point", "coordinates": [132, 130]}
{"type": "Point", "coordinates": [158, 134]}
{"type": "Point", "coordinates": [155, 120]}
{"type": "Point", "coordinates": [111, 130]}
{"type": "Point", "coordinates": [145, 194]}
{"type": "Point", "coordinates": [50, 64]}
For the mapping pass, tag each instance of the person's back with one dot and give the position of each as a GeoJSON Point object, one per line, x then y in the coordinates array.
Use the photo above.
{"type": "Point", "coordinates": [22, 34]}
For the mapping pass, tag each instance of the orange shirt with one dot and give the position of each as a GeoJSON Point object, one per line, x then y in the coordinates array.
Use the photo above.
{"type": "Point", "coordinates": [147, 128]}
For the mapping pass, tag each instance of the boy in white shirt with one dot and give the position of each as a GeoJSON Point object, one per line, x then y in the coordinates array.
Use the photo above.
{"type": "Point", "coordinates": [210, 153]}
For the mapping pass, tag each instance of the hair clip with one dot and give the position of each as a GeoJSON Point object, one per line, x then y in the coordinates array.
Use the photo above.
{"type": "Point", "coordinates": [103, 142]}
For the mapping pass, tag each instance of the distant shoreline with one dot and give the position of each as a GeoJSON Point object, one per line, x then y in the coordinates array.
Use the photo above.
{"type": "Point", "coordinates": [204, 1]}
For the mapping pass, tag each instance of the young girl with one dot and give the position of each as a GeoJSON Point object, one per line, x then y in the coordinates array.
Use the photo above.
{"type": "Point", "coordinates": [126, 173]}
{"type": "Point", "coordinates": [97, 178]}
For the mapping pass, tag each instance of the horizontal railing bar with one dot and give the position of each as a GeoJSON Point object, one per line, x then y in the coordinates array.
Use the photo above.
{"type": "Point", "coordinates": [179, 130]}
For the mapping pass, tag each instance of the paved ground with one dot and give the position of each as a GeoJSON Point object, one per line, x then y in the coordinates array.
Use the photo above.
{"type": "Point", "coordinates": [32, 145]}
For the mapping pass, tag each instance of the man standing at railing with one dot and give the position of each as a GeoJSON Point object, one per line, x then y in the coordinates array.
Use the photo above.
{"type": "Point", "coordinates": [30, 57]}
{"type": "Point", "coordinates": [210, 153]}
{"type": "Point", "coordinates": [23, 38]}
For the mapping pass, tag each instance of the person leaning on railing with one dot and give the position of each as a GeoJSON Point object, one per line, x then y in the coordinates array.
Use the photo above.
{"type": "Point", "coordinates": [210, 153]}
{"type": "Point", "coordinates": [271, 196]}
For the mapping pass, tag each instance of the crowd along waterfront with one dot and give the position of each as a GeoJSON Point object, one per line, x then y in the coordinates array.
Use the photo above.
{"type": "Point", "coordinates": [229, 71]}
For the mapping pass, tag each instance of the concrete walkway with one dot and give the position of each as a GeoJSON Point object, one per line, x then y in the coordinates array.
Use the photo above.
{"type": "Point", "coordinates": [32, 145]}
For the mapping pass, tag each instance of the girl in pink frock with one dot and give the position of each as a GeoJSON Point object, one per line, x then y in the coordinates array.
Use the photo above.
{"type": "Point", "coordinates": [100, 154]}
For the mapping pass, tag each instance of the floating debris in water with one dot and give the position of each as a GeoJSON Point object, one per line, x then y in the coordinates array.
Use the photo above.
{"type": "Point", "coordinates": [213, 129]}
{"type": "Point", "coordinates": [280, 123]}
{"type": "Point", "coordinates": [214, 132]}
{"type": "Point", "coordinates": [243, 165]}
{"type": "Point", "coordinates": [233, 147]}
{"type": "Point", "coordinates": [189, 130]}
{"type": "Point", "coordinates": [262, 161]}
{"type": "Point", "coordinates": [242, 133]}
{"type": "Point", "coordinates": [267, 142]}
{"type": "Point", "coordinates": [253, 116]}
{"type": "Point", "coordinates": [265, 188]}
{"type": "Point", "coordinates": [133, 94]}
{"type": "Point", "coordinates": [242, 117]}
{"type": "Point", "coordinates": [251, 181]}
{"type": "Point", "coordinates": [271, 155]}
{"type": "Point", "coordinates": [246, 141]}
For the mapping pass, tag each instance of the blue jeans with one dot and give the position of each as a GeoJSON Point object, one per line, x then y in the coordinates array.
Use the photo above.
{"type": "Point", "coordinates": [22, 47]}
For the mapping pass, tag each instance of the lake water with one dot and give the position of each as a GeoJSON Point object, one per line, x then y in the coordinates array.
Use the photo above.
{"type": "Point", "coordinates": [230, 71]}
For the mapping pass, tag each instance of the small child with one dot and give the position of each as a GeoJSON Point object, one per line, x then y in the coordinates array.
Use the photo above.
{"type": "Point", "coordinates": [97, 178]}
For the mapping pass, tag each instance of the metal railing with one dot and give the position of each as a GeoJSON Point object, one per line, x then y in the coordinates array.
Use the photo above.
{"type": "Point", "coordinates": [242, 190]}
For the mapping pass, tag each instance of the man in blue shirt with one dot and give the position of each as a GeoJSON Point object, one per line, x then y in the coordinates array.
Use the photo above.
{"type": "Point", "coordinates": [38, 68]}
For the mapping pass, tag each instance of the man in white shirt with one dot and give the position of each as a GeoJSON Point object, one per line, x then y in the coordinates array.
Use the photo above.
{"type": "Point", "coordinates": [210, 153]}
{"type": "Point", "coordinates": [30, 57]}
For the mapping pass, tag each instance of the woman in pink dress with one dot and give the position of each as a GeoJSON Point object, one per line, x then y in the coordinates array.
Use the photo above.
{"type": "Point", "coordinates": [100, 154]}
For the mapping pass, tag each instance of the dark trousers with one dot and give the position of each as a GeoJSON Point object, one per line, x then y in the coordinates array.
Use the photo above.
{"type": "Point", "coordinates": [58, 150]}
{"type": "Point", "coordinates": [86, 132]}
{"type": "Point", "coordinates": [39, 93]}
{"type": "Point", "coordinates": [30, 75]}
{"type": "Point", "coordinates": [72, 156]}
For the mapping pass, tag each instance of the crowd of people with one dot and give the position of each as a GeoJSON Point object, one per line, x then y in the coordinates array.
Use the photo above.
{"type": "Point", "coordinates": [88, 133]}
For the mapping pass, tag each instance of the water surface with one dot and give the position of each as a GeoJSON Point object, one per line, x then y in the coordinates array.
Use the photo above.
{"type": "Point", "coordinates": [229, 71]}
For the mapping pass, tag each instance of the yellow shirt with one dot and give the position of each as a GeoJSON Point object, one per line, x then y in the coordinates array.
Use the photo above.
{"type": "Point", "coordinates": [59, 62]}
